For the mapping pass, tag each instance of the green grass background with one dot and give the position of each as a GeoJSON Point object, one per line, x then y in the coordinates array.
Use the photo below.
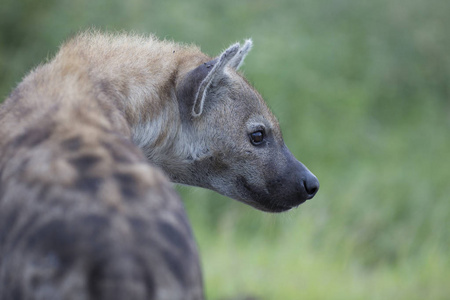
{"type": "Point", "coordinates": [362, 92]}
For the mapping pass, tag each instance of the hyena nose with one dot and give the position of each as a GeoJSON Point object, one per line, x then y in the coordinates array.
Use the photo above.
{"type": "Point", "coordinates": [311, 184]}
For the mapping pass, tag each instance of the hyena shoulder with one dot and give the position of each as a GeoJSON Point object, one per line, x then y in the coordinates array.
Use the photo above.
{"type": "Point", "coordinates": [82, 212]}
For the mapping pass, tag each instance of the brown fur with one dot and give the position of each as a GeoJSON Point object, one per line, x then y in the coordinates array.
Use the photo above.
{"type": "Point", "coordinates": [82, 213]}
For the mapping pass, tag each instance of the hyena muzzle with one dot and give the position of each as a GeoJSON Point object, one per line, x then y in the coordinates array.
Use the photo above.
{"type": "Point", "coordinates": [83, 215]}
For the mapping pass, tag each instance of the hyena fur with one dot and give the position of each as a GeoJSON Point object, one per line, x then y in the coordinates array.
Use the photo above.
{"type": "Point", "coordinates": [83, 214]}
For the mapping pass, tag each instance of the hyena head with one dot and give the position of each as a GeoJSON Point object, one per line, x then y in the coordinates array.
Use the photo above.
{"type": "Point", "coordinates": [238, 147]}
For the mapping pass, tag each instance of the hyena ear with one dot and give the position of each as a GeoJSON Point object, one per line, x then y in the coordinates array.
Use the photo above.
{"type": "Point", "coordinates": [238, 59]}
{"type": "Point", "coordinates": [214, 76]}
{"type": "Point", "coordinates": [200, 82]}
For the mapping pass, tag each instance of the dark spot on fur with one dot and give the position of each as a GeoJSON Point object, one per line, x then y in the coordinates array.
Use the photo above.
{"type": "Point", "coordinates": [138, 224]}
{"type": "Point", "coordinates": [49, 233]}
{"type": "Point", "coordinates": [55, 237]}
{"type": "Point", "coordinates": [16, 292]}
{"type": "Point", "coordinates": [7, 223]}
{"type": "Point", "coordinates": [23, 165]}
{"type": "Point", "coordinates": [173, 236]}
{"type": "Point", "coordinates": [93, 280]}
{"type": "Point", "coordinates": [128, 192]}
{"type": "Point", "coordinates": [149, 281]}
{"type": "Point", "coordinates": [63, 242]}
{"type": "Point", "coordinates": [43, 191]}
{"type": "Point", "coordinates": [215, 161]}
{"type": "Point", "coordinates": [106, 87]}
{"type": "Point", "coordinates": [72, 144]}
{"type": "Point", "coordinates": [118, 154]}
{"type": "Point", "coordinates": [20, 231]}
{"type": "Point", "coordinates": [175, 266]}
{"type": "Point", "coordinates": [125, 179]}
{"type": "Point", "coordinates": [88, 184]}
{"type": "Point", "coordinates": [85, 162]}
{"type": "Point", "coordinates": [32, 137]}
{"type": "Point", "coordinates": [106, 278]}
{"type": "Point", "coordinates": [128, 186]}
{"type": "Point", "coordinates": [96, 224]}
{"type": "Point", "coordinates": [243, 181]}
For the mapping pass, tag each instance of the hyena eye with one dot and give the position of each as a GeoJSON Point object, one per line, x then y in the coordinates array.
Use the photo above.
{"type": "Point", "coordinates": [257, 137]}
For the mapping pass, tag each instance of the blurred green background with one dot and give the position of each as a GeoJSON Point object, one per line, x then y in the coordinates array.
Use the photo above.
{"type": "Point", "coordinates": [362, 92]}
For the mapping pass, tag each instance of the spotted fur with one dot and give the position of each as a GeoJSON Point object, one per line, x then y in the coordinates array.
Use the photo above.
{"type": "Point", "coordinates": [83, 215]}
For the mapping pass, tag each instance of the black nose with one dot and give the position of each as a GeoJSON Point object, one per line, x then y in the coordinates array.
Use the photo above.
{"type": "Point", "coordinates": [311, 185]}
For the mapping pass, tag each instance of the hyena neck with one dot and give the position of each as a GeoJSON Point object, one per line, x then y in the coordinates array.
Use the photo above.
{"type": "Point", "coordinates": [125, 84]}
{"type": "Point", "coordinates": [140, 75]}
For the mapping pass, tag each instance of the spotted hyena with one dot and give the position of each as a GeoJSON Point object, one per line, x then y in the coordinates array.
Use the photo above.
{"type": "Point", "coordinates": [83, 215]}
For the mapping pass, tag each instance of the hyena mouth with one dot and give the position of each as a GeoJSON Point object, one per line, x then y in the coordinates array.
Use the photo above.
{"type": "Point", "coordinates": [276, 208]}
{"type": "Point", "coordinates": [266, 202]}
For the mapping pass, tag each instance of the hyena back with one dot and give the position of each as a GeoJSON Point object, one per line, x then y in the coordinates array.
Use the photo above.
{"type": "Point", "coordinates": [82, 213]}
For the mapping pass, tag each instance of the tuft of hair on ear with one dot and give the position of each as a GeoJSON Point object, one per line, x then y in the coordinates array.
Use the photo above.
{"type": "Point", "coordinates": [238, 59]}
